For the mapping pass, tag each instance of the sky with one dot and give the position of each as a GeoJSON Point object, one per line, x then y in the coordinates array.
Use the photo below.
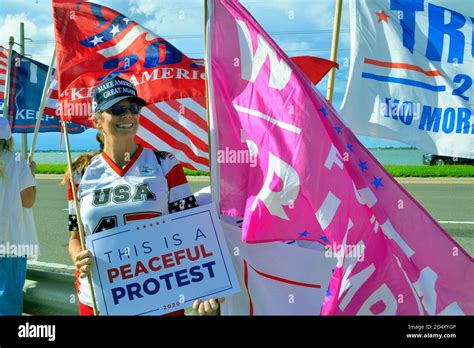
{"type": "Point", "coordinates": [299, 27]}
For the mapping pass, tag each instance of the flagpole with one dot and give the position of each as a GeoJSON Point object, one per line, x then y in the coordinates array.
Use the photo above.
{"type": "Point", "coordinates": [334, 47]}
{"type": "Point", "coordinates": [6, 99]}
{"type": "Point", "coordinates": [42, 105]}
{"type": "Point", "coordinates": [206, 94]}
{"type": "Point", "coordinates": [76, 207]}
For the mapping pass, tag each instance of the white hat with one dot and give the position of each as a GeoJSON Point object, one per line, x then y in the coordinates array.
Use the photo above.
{"type": "Point", "coordinates": [5, 131]}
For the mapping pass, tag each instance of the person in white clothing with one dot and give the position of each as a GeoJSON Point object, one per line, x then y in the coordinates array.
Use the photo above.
{"type": "Point", "coordinates": [18, 240]}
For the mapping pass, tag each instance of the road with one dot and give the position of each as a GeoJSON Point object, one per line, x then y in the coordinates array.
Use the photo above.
{"type": "Point", "coordinates": [448, 201]}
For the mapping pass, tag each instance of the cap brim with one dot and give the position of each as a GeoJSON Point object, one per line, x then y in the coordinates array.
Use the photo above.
{"type": "Point", "coordinates": [114, 101]}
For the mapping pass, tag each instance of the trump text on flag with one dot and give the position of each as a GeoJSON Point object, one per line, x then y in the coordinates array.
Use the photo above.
{"type": "Point", "coordinates": [411, 74]}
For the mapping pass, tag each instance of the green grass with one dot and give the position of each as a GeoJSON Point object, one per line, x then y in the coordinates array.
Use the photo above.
{"type": "Point", "coordinates": [394, 170]}
{"type": "Point", "coordinates": [431, 171]}
{"type": "Point", "coordinates": [61, 168]}
{"type": "Point", "coordinates": [51, 168]}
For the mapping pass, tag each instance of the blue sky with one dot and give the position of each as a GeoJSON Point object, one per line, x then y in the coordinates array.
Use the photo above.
{"type": "Point", "coordinates": [300, 27]}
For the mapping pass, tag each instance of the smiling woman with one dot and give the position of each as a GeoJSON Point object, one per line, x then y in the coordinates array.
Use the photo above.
{"type": "Point", "coordinates": [124, 183]}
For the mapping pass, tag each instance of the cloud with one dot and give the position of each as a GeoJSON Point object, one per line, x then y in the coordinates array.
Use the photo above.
{"type": "Point", "coordinates": [42, 35]}
{"type": "Point", "coordinates": [294, 14]}
{"type": "Point", "coordinates": [295, 46]}
{"type": "Point", "coordinates": [143, 7]}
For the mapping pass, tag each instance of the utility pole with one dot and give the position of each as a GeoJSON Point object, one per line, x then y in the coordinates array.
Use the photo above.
{"type": "Point", "coordinates": [24, 136]}
{"type": "Point", "coordinates": [6, 98]}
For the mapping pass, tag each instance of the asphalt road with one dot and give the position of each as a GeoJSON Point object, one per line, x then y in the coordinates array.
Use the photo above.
{"type": "Point", "coordinates": [451, 202]}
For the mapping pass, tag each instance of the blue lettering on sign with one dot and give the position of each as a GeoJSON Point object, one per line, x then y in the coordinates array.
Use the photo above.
{"type": "Point", "coordinates": [433, 119]}
{"type": "Point", "coordinates": [161, 53]}
{"type": "Point", "coordinates": [466, 84]}
{"type": "Point", "coordinates": [157, 53]}
{"type": "Point", "coordinates": [127, 62]}
{"type": "Point", "coordinates": [437, 29]}
{"type": "Point", "coordinates": [404, 111]}
{"type": "Point", "coordinates": [407, 21]}
{"type": "Point", "coordinates": [430, 120]}
{"type": "Point", "coordinates": [464, 114]}
{"type": "Point", "coordinates": [451, 120]}
{"type": "Point", "coordinates": [152, 286]}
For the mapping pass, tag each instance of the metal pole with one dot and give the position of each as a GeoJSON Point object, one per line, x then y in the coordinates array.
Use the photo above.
{"type": "Point", "coordinates": [11, 42]}
{"type": "Point", "coordinates": [24, 136]}
{"type": "Point", "coordinates": [334, 46]}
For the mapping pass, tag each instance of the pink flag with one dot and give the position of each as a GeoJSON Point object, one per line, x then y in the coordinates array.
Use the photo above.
{"type": "Point", "coordinates": [284, 161]}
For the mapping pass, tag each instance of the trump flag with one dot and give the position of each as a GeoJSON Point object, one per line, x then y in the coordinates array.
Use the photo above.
{"type": "Point", "coordinates": [283, 160]}
{"type": "Point", "coordinates": [27, 79]}
{"type": "Point", "coordinates": [411, 73]}
{"type": "Point", "coordinates": [94, 43]}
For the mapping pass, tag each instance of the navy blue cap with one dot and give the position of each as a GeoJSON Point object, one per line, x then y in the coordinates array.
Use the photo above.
{"type": "Point", "coordinates": [112, 91]}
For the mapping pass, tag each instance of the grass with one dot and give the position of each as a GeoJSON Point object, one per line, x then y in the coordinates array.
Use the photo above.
{"type": "Point", "coordinates": [51, 168]}
{"type": "Point", "coordinates": [394, 170]}
{"type": "Point", "coordinates": [61, 168]}
{"type": "Point", "coordinates": [456, 171]}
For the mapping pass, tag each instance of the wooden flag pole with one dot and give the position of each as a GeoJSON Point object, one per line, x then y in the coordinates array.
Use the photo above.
{"type": "Point", "coordinates": [334, 47]}
{"type": "Point", "coordinates": [212, 140]}
{"type": "Point", "coordinates": [6, 97]}
{"type": "Point", "coordinates": [42, 105]}
{"type": "Point", "coordinates": [76, 207]}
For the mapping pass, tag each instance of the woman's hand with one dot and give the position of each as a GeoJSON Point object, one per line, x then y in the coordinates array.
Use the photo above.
{"type": "Point", "coordinates": [83, 261]}
{"type": "Point", "coordinates": [207, 307]}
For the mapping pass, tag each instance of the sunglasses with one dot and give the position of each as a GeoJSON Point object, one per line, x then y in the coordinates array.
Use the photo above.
{"type": "Point", "coordinates": [119, 110]}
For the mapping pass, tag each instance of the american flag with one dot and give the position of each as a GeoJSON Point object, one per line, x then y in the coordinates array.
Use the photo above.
{"type": "Point", "coordinates": [3, 72]}
{"type": "Point", "coordinates": [180, 127]}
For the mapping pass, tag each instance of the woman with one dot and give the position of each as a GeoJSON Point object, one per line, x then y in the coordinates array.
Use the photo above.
{"type": "Point", "coordinates": [18, 239]}
{"type": "Point", "coordinates": [124, 168]}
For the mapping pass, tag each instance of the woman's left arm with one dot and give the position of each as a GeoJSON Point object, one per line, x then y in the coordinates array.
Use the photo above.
{"type": "Point", "coordinates": [28, 197]}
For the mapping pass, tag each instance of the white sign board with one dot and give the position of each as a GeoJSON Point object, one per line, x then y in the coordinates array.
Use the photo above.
{"type": "Point", "coordinates": [161, 265]}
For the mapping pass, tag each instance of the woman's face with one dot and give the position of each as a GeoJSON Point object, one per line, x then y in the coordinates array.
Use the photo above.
{"type": "Point", "coordinates": [121, 120]}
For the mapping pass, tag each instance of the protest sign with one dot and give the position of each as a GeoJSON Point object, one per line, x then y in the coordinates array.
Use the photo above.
{"type": "Point", "coordinates": [161, 265]}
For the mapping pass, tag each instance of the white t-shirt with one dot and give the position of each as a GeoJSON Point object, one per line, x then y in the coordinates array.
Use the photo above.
{"type": "Point", "coordinates": [17, 226]}
{"type": "Point", "coordinates": [111, 196]}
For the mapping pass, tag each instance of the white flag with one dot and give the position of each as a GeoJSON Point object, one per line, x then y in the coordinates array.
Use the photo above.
{"type": "Point", "coordinates": [411, 73]}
